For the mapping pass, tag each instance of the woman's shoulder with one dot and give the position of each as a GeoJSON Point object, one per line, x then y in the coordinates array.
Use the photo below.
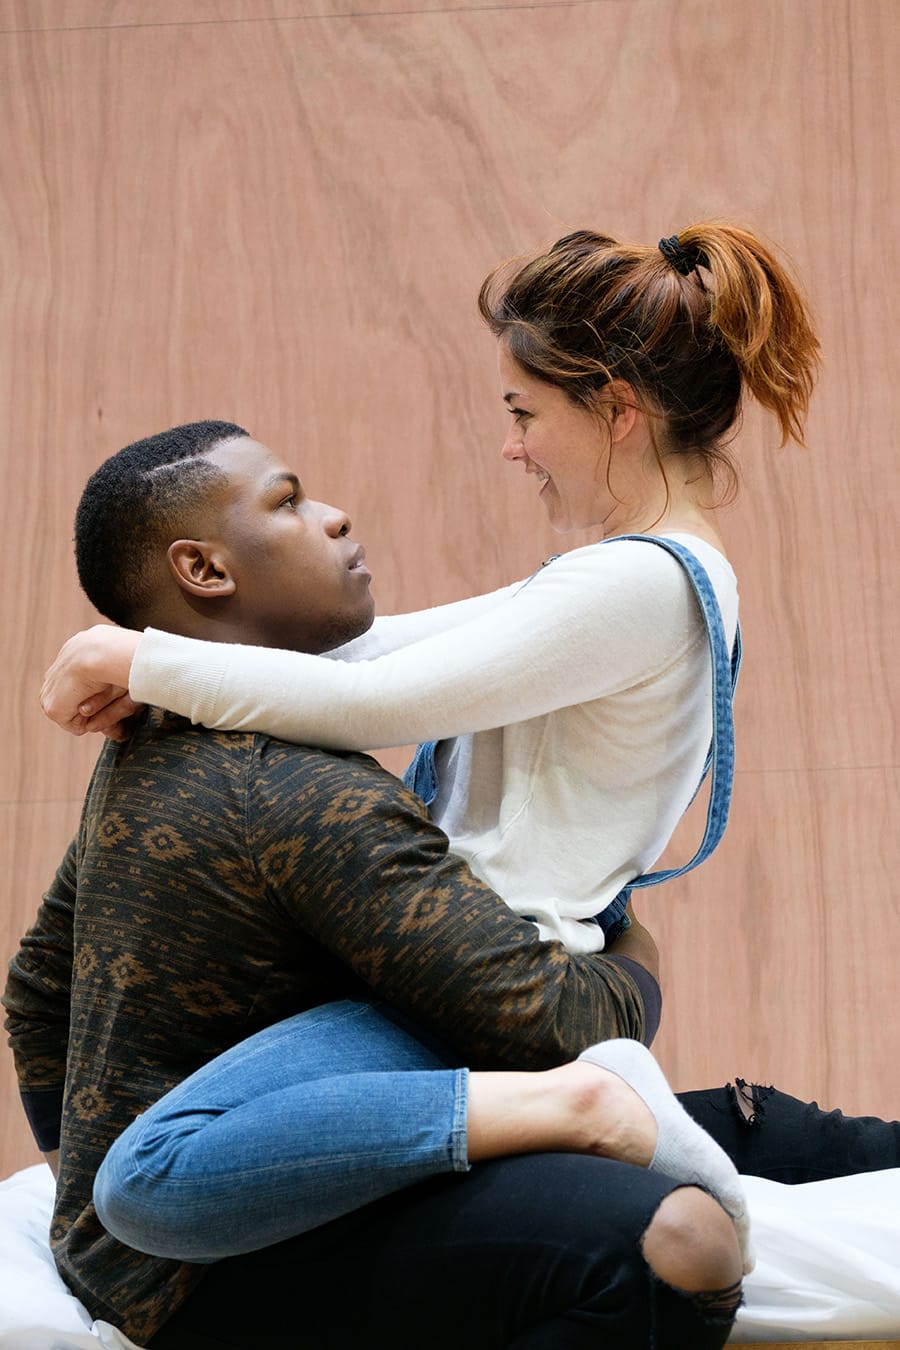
{"type": "Point", "coordinates": [644, 556]}
{"type": "Point", "coordinates": [638, 577]}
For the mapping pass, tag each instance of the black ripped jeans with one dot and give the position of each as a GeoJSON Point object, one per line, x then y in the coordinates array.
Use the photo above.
{"type": "Point", "coordinates": [533, 1253]}
{"type": "Point", "coordinates": [767, 1133]}
{"type": "Point", "coordinates": [541, 1252]}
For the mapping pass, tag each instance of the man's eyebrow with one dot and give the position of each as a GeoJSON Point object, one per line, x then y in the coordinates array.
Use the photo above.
{"type": "Point", "coordinates": [276, 479]}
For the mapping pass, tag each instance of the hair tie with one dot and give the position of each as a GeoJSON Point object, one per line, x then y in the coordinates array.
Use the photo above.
{"type": "Point", "coordinates": [676, 256]}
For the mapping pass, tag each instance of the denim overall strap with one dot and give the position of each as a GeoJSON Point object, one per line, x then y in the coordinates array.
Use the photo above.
{"type": "Point", "coordinates": [421, 773]}
{"type": "Point", "coordinates": [720, 758]}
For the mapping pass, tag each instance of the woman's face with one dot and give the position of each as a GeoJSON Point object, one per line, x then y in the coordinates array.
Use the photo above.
{"type": "Point", "coordinates": [565, 445]}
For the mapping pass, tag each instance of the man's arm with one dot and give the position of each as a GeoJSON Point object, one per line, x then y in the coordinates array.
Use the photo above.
{"type": "Point", "coordinates": [637, 944]}
{"type": "Point", "coordinates": [636, 951]}
{"type": "Point", "coordinates": [354, 861]}
{"type": "Point", "coordinates": [37, 1001]}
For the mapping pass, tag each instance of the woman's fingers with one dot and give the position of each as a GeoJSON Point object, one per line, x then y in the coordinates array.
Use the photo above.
{"type": "Point", "coordinates": [113, 716]}
{"type": "Point", "coordinates": [90, 673]}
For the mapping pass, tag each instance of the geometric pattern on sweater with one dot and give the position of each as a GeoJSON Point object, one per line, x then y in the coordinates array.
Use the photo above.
{"type": "Point", "coordinates": [221, 882]}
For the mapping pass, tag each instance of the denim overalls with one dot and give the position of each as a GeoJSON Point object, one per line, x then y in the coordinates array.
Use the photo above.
{"type": "Point", "coordinates": [421, 775]}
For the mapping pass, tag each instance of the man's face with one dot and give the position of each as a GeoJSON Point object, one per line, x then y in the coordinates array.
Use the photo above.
{"type": "Point", "coordinates": [301, 581]}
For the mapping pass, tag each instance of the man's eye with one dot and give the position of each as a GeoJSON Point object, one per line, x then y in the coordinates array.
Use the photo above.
{"type": "Point", "coordinates": [290, 501]}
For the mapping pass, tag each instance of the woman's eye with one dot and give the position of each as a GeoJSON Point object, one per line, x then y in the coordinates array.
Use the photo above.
{"type": "Point", "coordinates": [517, 414]}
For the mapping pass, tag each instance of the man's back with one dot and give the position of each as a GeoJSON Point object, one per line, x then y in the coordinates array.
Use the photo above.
{"type": "Point", "coordinates": [178, 949]}
{"type": "Point", "coordinates": [218, 884]}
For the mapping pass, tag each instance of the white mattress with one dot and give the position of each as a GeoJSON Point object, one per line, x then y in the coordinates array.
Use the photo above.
{"type": "Point", "coordinates": [827, 1266]}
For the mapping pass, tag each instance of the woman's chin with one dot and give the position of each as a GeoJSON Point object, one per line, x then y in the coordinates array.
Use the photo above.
{"type": "Point", "coordinates": [563, 522]}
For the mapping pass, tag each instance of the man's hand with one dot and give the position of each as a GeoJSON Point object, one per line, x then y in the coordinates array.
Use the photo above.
{"type": "Point", "coordinates": [86, 688]}
{"type": "Point", "coordinates": [638, 944]}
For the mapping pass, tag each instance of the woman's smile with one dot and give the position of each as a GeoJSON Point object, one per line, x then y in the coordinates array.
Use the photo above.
{"type": "Point", "coordinates": [561, 442]}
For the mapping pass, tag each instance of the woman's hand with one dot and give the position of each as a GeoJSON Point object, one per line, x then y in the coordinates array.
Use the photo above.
{"type": "Point", "coordinates": [86, 688]}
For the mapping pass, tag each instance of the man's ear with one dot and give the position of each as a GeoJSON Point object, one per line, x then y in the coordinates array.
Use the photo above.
{"type": "Point", "coordinates": [200, 569]}
{"type": "Point", "coordinates": [620, 408]}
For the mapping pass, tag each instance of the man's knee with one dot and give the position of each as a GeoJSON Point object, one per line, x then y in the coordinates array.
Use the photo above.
{"type": "Point", "coordinates": [691, 1244]}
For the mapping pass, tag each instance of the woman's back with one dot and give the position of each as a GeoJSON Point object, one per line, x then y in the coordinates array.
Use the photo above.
{"type": "Point", "coordinates": [559, 812]}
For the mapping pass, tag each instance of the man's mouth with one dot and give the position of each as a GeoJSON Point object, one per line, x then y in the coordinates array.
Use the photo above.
{"type": "Point", "coordinates": [358, 560]}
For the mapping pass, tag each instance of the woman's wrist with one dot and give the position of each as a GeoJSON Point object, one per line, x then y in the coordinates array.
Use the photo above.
{"type": "Point", "coordinates": [109, 652]}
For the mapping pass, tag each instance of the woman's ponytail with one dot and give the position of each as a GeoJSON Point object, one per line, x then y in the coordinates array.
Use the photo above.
{"type": "Point", "coordinates": [762, 318]}
{"type": "Point", "coordinates": [692, 325]}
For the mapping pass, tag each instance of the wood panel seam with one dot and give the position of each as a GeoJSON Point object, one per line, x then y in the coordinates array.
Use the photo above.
{"type": "Point", "coordinates": [305, 18]}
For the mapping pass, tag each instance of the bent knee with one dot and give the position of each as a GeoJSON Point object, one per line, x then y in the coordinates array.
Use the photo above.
{"type": "Point", "coordinates": [117, 1197]}
{"type": "Point", "coordinates": [140, 1211]}
{"type": "Point", "coordinates": [690, 1244]}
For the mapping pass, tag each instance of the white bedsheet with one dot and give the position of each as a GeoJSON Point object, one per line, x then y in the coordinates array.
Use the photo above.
{"type": "Point", "coordinates": [828, 1265]}
{"type": "Point", "coordinates": [37, 1312]}
{"type": "Point", "coordinates": [827, 1260]}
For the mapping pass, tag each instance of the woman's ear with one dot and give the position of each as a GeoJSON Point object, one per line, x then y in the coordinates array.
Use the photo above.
{"type": "Point", "coordinates": [620, 408]}
{"type": "Point", "coordinates": [200, 569]}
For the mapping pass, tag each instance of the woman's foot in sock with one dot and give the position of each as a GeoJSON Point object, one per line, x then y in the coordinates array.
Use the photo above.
{"type": "Point", "coordinates": [682, 1150]}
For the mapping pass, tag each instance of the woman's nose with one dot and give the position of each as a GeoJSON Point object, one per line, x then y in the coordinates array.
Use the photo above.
{"type": "Point", "coordinates": [512, 446]}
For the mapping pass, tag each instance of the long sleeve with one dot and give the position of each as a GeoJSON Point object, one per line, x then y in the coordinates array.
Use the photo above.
{"type": "Point", "coordinates": [225, 883]}
{"type": "Point", "coordinates": [594, 622]}
{"type": "Point", "coordinates": [390, 632]}
{"type": "Point", "coordinates": [356, 864]}
{"type": "Point", "coordinates": [37, 1002]}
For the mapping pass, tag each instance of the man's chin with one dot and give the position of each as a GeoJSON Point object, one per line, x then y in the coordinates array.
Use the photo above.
{"type": "Point", "coordinates": [348, 630]}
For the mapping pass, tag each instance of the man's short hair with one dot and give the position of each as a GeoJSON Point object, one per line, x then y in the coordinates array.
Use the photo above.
{"type": "Point", "coordinates": [135, 504]}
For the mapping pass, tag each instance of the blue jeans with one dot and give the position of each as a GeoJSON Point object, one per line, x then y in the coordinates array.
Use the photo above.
{"type": "Point", "coordinates": [340, 1106]}
{"type": "Point", "coordinates": [306, 1121]}
{"type": "Point", "coordinates": [293, 1157]}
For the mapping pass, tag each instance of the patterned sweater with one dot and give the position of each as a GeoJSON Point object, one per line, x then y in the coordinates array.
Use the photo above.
{"type": "Point", "coordinates": [219, 883]}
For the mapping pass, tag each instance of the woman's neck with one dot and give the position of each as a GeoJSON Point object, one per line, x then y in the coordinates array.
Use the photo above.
{"type": "Point", "coordinates": [678, 498]}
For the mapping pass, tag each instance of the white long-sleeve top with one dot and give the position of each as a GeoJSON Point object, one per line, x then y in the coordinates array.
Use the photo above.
{"type": "Point", "coordinates": [575, 711]}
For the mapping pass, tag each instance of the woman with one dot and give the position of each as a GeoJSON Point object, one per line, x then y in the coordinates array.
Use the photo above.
{"type": "Point", "coordinates": [595, 673]}
{"type": "Point", "coordinates": [581, 701]}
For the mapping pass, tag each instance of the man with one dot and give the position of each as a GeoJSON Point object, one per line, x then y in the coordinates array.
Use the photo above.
{"type": "Point", "coordinates": [220, 883]}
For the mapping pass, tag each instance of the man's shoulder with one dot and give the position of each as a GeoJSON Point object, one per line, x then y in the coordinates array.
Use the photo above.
{"type": "Point", "coordinates": [342, 777]}
{"type": "Point", "coordinates": [223, 784]}
{"type": "Point", "coordinates": [164, 743]}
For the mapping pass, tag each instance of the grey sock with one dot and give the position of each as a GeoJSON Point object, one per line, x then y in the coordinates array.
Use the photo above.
{"type": "Point", "coordinates": [684, 1151]}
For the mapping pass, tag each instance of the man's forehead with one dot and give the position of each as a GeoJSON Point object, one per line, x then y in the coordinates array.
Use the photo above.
{"type": "Point", "coordinates": [242, 458]}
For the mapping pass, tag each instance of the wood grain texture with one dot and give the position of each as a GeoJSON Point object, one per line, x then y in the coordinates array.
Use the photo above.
{"type": "Point", "coordinates": [776, 964]}
{"type": "Point", "coordinates": [286, 222]}
{"type": "Point", "coordinates": [29, 16]}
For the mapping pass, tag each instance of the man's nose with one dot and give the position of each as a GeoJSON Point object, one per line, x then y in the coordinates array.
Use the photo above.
{"type": "Point", "coordinates": [336, 521]}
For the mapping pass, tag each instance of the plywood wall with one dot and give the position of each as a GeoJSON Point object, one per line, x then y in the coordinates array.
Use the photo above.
{"type": "Point", "coordinates": [279, 212]}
